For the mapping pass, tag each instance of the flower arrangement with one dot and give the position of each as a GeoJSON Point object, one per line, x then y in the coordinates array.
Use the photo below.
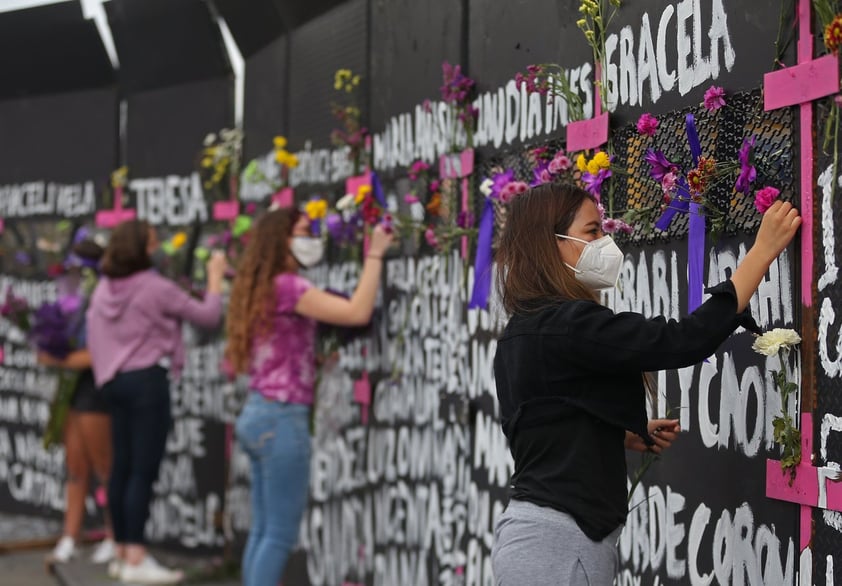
{"type": "Point", "coordinates": [550, 79]}
{"type": "Point", "coordinates": [351, 134]}
{"type": "Point", "coordinates": [221, 156]}
{"type": "Point", "coordinates": [780, 342]}
{"type": "Point", "coordinates": [456, 92]}
{"type": "Point", "coordinates": [682, 183]}
{"type": "Point", "coordinates": [594, 22]}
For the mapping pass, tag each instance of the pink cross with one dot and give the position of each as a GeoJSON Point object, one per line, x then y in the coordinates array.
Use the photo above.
{"type": "Point", "coordinates": [362, 395]}
{"type": "Point", "coordinates": [116, 215]}
{"type": "Point", "coordinates": [584, 135]}
{"type": "Point", "coordinates": [810, 80]}
{"type": "Point", "coordinates": [283, 198]}
{"type": "Point", "coordinates": [228, 210]}
{"type": "Point", "coordinates": [459, 167]}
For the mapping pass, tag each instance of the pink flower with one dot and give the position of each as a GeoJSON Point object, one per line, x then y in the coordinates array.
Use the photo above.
{"type": "Point", "coordinates": [512, 189]}
{"type": "Point", "coordinates": [410, 198]}
{"type": "Point", "coordinates": [764, 198]}
{"type": "Point", "coordinates": [609, 225]}
{"type": "Point", "coordinates": [669, 182]}
{"type": "Point", "coordinates": [435, 184]}
{"type": "Point", "coordinates": [560, 164]}
{"type": "Point", "coordinates": [430, 237]}
{"type": "Point", "coordinates": [714, 98]}
{"type": "Point", "coordinates": [647, 124]}
{"type": "Point", "coordinates": [623, 227]}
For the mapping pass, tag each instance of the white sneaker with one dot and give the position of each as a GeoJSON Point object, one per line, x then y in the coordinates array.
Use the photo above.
{"type": "Point", "coordinates": [65, 549]}
{"type": "Point", "coordinates": [149, 572]}
{"type": "Point", "coordinates": [115, 566]}
{"type": "Point", "coordinates": [104, 552]}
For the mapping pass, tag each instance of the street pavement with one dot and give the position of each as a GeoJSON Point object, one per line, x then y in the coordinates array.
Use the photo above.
{"type": "Point", "coordinates": [25, 543]}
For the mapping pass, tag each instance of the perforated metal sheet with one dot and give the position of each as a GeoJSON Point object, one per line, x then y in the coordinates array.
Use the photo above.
{"type": "Point", "coordinates": [721, 135]}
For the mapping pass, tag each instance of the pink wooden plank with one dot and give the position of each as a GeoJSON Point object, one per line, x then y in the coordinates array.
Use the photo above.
{"type": "Point", "coordinates": [226, 210]}
{"type": "Point", "coordinates": [284, 198]}
{"type": "Point", "coordinates": [801, 83]}
{"type": "Point", "coordinates": [353, 184]}
{"type": "Point", "coordinates": [362, 395]}
{"type": "Point", "coordinates": [454, 166]}
{"type": "Point", "coordinates": [584, 135]}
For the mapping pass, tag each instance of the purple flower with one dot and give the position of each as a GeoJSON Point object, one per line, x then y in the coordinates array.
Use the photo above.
{"type": "Point", "coordinates": [427, 106]}
{"type": "Point", "coordinates": [609, 225]}
{"type": "Point", "coordinates": [714, 98]}
{"type": "Point", "coordinates": [541, 174]}
{"type": "Point", "coordinates": [334, 225]}
{"type": "Point", "coordinates": [410, 198]}
{"type": "Point", "coordinates": [593, 183]}
{"type": "Point", "coordinates": [70, 304]}
{"type": "Point", "coordinates": [499, 181]}
{"type": "Point", "coordinates": [647, 124]}
{"type": "Point", "coordinates": [659, 164]}
{"type": "Point", "coordinates": [747, 171]}
{"type": "Point", "coordinates": [50, 330]}
{"type": "Point", "coordinates": [465, 219]}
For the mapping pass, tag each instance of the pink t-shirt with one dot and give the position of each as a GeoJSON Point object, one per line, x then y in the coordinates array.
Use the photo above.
{"type": "Point", "coordinates": [283, 364]}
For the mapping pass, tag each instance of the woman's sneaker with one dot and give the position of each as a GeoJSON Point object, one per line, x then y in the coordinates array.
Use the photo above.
{"type": "Point", "coordinates": [149, 572]}
{"type": "Point", "coordinates": [64, 550]}
{"type": "Point", "coordinates": [104, 552]}
{"type": "Point", "coordinates": [115, 566]}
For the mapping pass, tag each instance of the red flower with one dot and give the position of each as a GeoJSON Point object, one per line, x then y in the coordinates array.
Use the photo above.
{"type": "Point", "coordinates": [833, 34]}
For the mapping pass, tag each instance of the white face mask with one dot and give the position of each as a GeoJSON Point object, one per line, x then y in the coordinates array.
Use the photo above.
{"type": "Point", "coordinates": [307, 251]}
{"type": "Point", "coordinates": [600, 263]}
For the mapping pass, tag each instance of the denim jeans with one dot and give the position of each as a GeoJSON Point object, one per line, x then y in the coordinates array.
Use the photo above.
{"type": "Point", "coordinates": [140, 421]}
{"type": "Point", "coordinates": [276, 437]}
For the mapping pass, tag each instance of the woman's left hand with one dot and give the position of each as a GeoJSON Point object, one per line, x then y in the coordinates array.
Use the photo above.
{"type": "Point", "coordinates": [663, 431]}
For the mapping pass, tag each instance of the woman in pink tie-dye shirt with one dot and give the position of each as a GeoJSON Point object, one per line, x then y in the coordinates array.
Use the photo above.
{"type": "Point", "coordinates": [271, 336]}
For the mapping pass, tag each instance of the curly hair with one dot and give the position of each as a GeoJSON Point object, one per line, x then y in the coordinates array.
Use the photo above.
{"type": "Point", "coordinates": [253, 293]}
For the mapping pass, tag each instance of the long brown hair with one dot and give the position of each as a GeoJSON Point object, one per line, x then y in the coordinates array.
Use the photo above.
{"type": "Point", "coordinates": [253, 293]}
{"type": "Point", "coordinates": [530, 272]}
{"type": "Point", "coordinates": [127, 251]}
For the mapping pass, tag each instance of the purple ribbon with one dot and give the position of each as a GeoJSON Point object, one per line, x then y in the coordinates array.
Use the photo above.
{"type": "Point", "coordinates": [484, 259]}
{"type": "Point", "coordinates": [377, 190]}
{"type": "Point", "coordinates": [696, 237]}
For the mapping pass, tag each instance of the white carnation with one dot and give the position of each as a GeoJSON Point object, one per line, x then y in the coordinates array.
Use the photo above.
{"type": "Point", "coordinates": [346, 202]}
{"type": "Point", "coordinates": [771, 342]}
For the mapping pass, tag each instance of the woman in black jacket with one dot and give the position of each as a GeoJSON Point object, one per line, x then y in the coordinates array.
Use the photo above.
{"type": "Point", "coordinates": [570, 386]}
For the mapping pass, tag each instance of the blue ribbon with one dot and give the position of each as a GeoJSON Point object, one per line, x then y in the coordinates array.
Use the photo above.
{"type": "Point", "coordinates": [484, 261]}
{"type": "Point", "coordinates": [377, 190]}
{"type": "Point", "coordinates": [696, 237]}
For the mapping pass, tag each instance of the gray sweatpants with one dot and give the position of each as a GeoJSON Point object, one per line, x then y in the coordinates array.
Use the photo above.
{"type": "Point", "coordinates": [540, 546]}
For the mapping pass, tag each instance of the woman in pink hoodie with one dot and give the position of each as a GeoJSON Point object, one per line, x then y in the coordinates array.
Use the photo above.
{"type": "Point", "coordinates": [134, 338]}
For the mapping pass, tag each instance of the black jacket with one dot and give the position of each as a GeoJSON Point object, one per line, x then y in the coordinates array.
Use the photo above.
{"type": "Point", "coordinates": [569, 383]}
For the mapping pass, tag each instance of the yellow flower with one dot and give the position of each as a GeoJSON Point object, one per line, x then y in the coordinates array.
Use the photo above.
{"type": "Point", "coordinates": [593, 167]}
{"type": "Point", "coordinates": [179, 240]}
{"type": "Point", "coordinates": [582, 23]}
{"type": "Point", "coordinates": [602, 159]}
{"type": "Point", "coordinates": [337, 85]}
{"type": "Point", "coordinates": [282, 156]}
{"type": "Point", "coordinates": [280, 142]}
{"type": "Point", "coordinates": [316, 209]}
{"type": "Point", "coordinates": [362, 193]}
{"type": "Point", "coordinates": [582, 162]}
{"type": "Point", "coordinates": [207, 161]}
{"type": "Point", "coordinates": [292, 161]}
{"type": "Point", "coordinates": [349, 88]}
{"type": "Point", "coordinates": [590, 36]}
{"type": "Point", "coordinates": [356, 80]}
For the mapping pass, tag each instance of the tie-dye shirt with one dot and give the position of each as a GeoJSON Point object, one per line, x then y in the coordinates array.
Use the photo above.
{"type": "Point", "coordinates": [283, 365]}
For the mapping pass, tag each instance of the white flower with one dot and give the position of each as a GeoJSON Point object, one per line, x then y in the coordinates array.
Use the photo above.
{"type": "Point", "coordinates": [485, 187]}
{"type": "Point", "coordinates": [210, 139]}
{"type": "Point", "coordinates": [346, 202]}
{"type": "Point", "coordinates": [771, 342]}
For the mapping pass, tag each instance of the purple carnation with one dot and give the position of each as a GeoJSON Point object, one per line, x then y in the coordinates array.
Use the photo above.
{"type": "Point", "coordinates": [747, 171]}
{"type": "Point", "coordinates": [660, 165]}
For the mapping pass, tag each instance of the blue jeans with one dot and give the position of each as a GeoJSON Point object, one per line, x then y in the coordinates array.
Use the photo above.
{"type": "Point", "coordinates": [276, 437]}
{"type": "Point", "coordinates": [140, 421]}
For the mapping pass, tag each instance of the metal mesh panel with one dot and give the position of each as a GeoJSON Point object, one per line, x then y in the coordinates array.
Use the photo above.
{"type": "Point", "coordinates": [721, 135]}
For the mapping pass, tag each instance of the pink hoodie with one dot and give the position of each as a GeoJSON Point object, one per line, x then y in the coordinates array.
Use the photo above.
{"type": "Point", "coordinates": [135, 321]}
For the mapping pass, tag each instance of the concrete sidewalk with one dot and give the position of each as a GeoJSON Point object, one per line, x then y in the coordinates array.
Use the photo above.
{"type": "Point", "coordinates": [25, 543]}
